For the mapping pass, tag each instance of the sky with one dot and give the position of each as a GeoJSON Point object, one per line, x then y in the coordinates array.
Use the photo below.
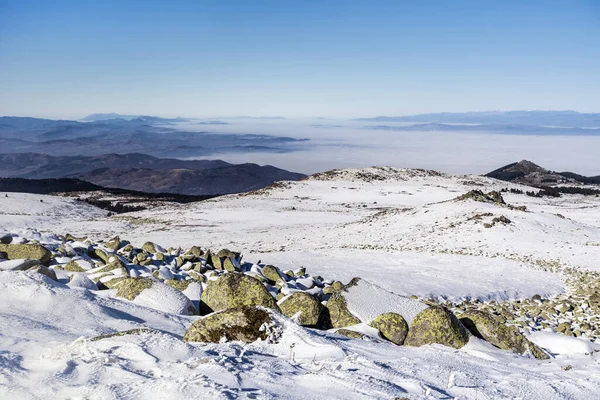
{"type": "Point", "coordinates": [67, 59]}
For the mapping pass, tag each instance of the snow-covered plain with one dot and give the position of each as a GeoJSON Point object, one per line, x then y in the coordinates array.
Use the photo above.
{"type": "Point", "coordinates": [398, 229]}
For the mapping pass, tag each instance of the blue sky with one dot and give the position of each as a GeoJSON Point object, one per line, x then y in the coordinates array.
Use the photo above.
{"type": "Point", "coordinates": [66, 59]}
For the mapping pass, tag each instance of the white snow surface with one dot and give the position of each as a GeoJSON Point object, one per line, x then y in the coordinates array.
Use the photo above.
{"type": "Point", "coordinates": [399, 231]}
{"type": "Point", "coordinates": [367, 302]}
{"type": "Point", "coordinates": [164, 298]}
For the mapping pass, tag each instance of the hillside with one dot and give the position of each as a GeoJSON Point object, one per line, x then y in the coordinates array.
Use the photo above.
{"type": "Point", "coordinates": [456, 239]}
{"type": "Point", "coordinates": [527, 173]}
{"type": "Point", "coordinates": [209, 181]}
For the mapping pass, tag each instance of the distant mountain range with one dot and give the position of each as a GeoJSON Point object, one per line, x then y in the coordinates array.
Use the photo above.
{"type": "Point", "coordinates": [133, 134]}
{"type": "Point", "coordinates": [542, 118]}
{"type": "Point", "coordinates": [145, 173]}
{"type": "Point", "coordinates": [112, 116]}
{"type": "Point", "coordinates": [492, 128]}
{"type": "Point", "coordinates": [527, 173]}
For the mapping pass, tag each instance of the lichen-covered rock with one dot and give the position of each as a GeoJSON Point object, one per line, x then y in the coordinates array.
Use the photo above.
{"type": "Point", "coordinates": [179, 285]}
{"type": "Point", "coordinates": [73, 266]}
{"type": "Point", "coordinates": [27, 252]}
{"type": "Point", "coordinates": [151, 247]}
{"type": "Point", "coordinates": [271, 273]}
{"type": "Point", "coordinates": [42, 269]}
{"type": "Point", "coordinates": [115, 243]}
{"type": "Point", "coordinates": [338, 314]}
{"type": "Point", "coordinates": [392, 327]}
{"type": "Point", "coordinates": [308, 306]}
{"type": "Point", "coordinates": [486, 327]}
{"type": "Point", "coordinates": [436, 324]}
{"type": "Point", "coordinates": [233, 290]}
{"type": "Point", "coordinates": [99, 254]}
{"type": "Point", "coordinates": [245, 324]}
{"type": "Point", "coordinates": [130, 288]}
{"type": "Point", "coordinates": [350, 334]}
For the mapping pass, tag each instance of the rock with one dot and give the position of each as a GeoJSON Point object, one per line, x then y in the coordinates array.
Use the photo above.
{"type": "Point", "coordinates": [27, 252]}
{"type": "Point", "coordinates": [350, 334]}
{"type": "Point", "coordinates": [308, 306]}
{"type": "Point", "coordinates": [179, 285]}
{"type": "Point", "coordinates": [42, 269]}
{"type": "Point", "coordinates": [6, 239]}
{"type": "Point", "coordinates": [3, 255]}
{"type": "Point", "coordinates": [337, 286]}
{"type": "Point", "coordinates": [436, 324]}
{"type": "Point", "coordinates": [271, 273]}
{"type": "Point", "coordinates": [81, 280]}
{"type": "Point", "coordinates": [245, 324]}
{"type": "Point", "coordinates": [233, 290]}
{"type": "Point", "coordinates": [392, 327]}
{"type": "Point", "coordinates": [130, 288]}
{"type": "Point", "coordinates": [18, 265]}
{"type": "Point", "coordinates": [338, 315]}
{"type": "Point", "coordinates": [73, 266]}
{"type": "Point", "coordinates": [164, 298]}
{"type": "Point", "coordinates": [152, 248]}
{"type": "Point", "coordinates": [115, 244]}
{"type": "Point", "coordinates": [484, 326]}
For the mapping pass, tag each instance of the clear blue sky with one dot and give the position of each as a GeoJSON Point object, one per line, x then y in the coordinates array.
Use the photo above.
{"type": "Point", "coordinates": [297, 58]}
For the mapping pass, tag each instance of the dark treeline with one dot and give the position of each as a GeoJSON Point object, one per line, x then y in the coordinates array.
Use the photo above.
{"type": "Point", "coordinates": [555, 191]}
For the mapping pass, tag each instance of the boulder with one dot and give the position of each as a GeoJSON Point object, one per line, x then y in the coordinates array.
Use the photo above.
{"type": "Point", "coordinates": [338, 315]}
{"type": "Point", "coordinates": [130, 288]}
{"type": "Point", "coordinates": [6, 239]}
{"type": "Point", "coordinates": [245, 324]}
{"type": "Point", "coordinates": [27, 251]}
{"type": "Point", "coordinates": [81, 280]}
{"type": "Point", "coordinates": [271, 273]}
{"type": "Point", "coordinates": [152, 247]}
{"type": "Point", "coordinates": [392, 327]}
{"type": "Point", "coordinates": [233, 290]}
{"type": "Point", "coordinates": [486, 327]}
{"type": "Point", "coordinates": [42, 269]}
{"type": "Point", "coordinates": [115, 244]}
{"type": "Point", "coordinates": [436, 324]}
{"type": "Point", "coordinates": [73, 266]}
{"type": "Point", "coordinates": [308, 306]}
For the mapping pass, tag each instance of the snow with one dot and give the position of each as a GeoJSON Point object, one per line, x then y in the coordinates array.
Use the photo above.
{"type": "Point", "coordinates": [559, 344]}
{"type": "Point", "coordinates": [47, 353]}
{"type": "Point", "coordinates": [368, 301]}
{"type": "Point", "coordinates": [402, 235]}
{"type": "Point", "coordinates": [164, 298]}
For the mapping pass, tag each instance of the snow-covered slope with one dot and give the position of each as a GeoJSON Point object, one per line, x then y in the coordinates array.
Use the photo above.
{"type": "Point", "coordinates": [400, 229]}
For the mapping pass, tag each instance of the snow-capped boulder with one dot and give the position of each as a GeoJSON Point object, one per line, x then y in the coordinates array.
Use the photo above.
{"type": "Point", "coordinates": [80, 280]}
{"type": "Point", "coordinates": [42, 269]}
{"type": "Point", "coordinates": [304, 304]}
{"type": "Point", "coordinates": [27, 251]}
{"type": "Point", "coordinates": [392, 327]}
{"type": "Point", "coordinates": [245, 324]}
{"type": "Point", "coordinates": [155, 294]}
{"type": "Point", "coordinates": [484, 326]}
{"type": "Point", "coordinates": [436, 325]}
{"type": "Point", "coordinates": [165, 298]}
{"type": "Point", "coordinates": [233, 290]}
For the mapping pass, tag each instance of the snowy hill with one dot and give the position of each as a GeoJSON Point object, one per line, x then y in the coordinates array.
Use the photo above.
{"type": "Point", "coordinates": [408, 232]}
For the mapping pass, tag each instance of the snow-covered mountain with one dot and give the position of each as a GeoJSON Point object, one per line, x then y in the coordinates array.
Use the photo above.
{"type": "Point", "coordinates": [463, 241]}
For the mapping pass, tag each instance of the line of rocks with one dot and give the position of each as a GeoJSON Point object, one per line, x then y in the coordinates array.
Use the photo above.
{"type": "Point", "coordinates": [243, 301]}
